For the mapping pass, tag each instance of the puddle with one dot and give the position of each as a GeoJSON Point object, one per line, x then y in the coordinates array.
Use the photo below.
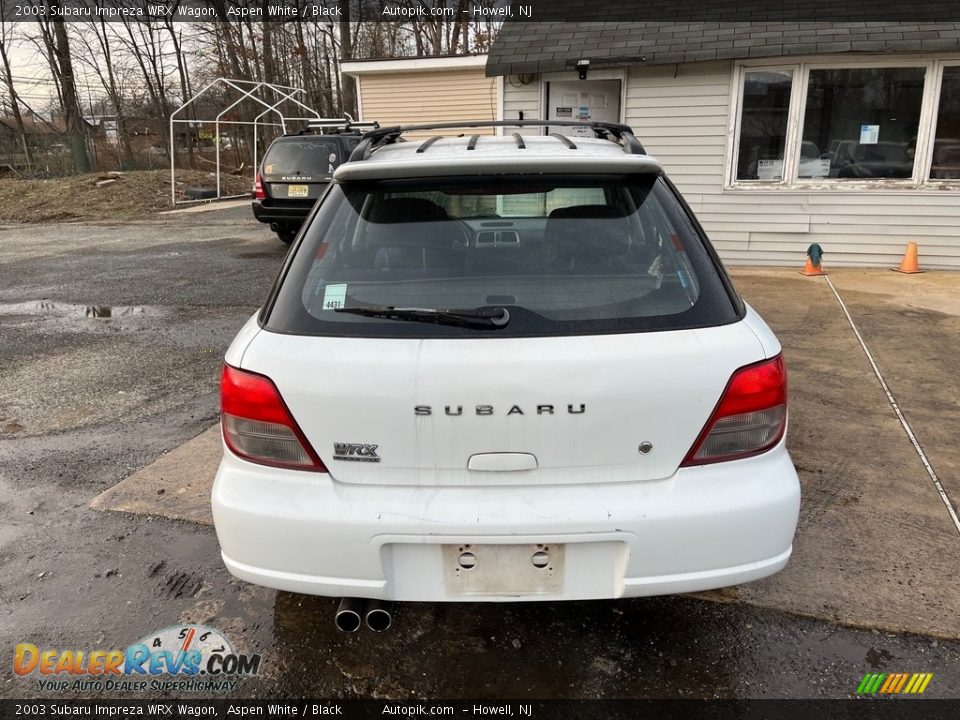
{"type": "Point", "coordinates": [70, 310]}
{"type": "Point", "coordinates": [878, 658]}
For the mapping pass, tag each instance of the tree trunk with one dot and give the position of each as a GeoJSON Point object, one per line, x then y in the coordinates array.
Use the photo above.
{"type": "Point", "coordinates": [73, 118]}
{"type": "Point", "coordinates": [269, 71]}
{"type": "Point", "coordinates": [348, 96]}
{"type": "Point", "coordinates": [184, 86]}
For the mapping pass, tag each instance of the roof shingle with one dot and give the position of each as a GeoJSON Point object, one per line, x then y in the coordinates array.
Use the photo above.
{"type": "Point", "coordinates": [530, 47]}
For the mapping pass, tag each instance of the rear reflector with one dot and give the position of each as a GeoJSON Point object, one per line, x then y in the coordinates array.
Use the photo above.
{"type": "Point", "coordinates": [257, 425]}
{"type": "Point", "coordinates": [258, 193]}
{"type": "Point", "coordinates": [749, 419]}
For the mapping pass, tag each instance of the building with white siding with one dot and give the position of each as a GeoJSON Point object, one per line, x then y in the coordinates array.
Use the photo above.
{"type": "Point", "coordinates": [779, 134]}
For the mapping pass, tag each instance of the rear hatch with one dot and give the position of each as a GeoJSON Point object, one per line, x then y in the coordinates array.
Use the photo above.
{"type": "Point", "coordinates": [575, 410]}
{"type": "Point", "coordinates": [298, 168]}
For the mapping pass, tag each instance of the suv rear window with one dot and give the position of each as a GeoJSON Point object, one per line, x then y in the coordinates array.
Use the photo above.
{"type": "Point", "coordinates": [306, 157]}
{"type": "Point", "coordinates": [564, 255]}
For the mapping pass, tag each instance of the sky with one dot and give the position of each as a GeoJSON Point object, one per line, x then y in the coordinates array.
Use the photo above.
{"type": "Point", "coordinates": [31, 73]}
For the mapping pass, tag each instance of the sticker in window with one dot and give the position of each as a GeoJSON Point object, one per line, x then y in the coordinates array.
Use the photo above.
{"type": "Point", "coordinates": [815, 168]}
{"type": "Point", "coordinates": [769, 169]}
{"type": "Point", "coordinates": [869, 134]}
{"type": "Point", "coordinates": [334, 296]}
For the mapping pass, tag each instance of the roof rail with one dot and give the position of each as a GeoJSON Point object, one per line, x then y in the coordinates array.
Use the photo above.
{"type": "Point", "coordinates": [565, 140]}
{"type": "Point", "coordinates": [616, 132]}
{"type": "Point", "coordinates": [344, 124]}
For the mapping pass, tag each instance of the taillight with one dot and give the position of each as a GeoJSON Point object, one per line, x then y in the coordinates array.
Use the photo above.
{"type": "Point", "coordinates": [258, 193]}
{"type": "Point", "coordinates": [750, 417]}
{"type": "Point", "coordinates": [258, 426]}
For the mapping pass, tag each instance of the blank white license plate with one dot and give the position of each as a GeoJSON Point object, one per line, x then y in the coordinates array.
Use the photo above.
{"type": "Point", "coordinates": [298, 191]}
{"type": "Point", "coordinates": [503, 569]}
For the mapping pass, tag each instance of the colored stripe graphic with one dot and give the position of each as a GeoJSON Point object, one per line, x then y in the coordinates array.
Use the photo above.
{"type": "Point", "coordinates": [867, 683]}
{"type": "Point", "coordinates": [894, 683]}
{"type": "Point", "coordinates": [900, 683]}
{"type": "Point", "coordinates": [890, 682]}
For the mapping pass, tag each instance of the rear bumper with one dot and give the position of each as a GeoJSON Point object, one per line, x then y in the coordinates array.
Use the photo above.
{"type": "Point", "coordinates": [706, 527]}
{"type": "Point", "coordinates": [266, 212]}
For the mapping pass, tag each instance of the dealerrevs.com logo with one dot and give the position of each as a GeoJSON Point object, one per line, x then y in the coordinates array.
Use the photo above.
{"type": "Point", "coordinates": [185, 658]}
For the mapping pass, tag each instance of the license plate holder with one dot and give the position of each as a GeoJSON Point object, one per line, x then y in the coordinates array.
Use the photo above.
{"type": "Point", "coordinates": [298, 191]}
{"type": "Point", "coordinates": [511, 570]}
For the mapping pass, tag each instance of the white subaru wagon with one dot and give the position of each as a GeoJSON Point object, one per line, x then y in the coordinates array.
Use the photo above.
{"type": "Point", "coordinates": [503, 368]}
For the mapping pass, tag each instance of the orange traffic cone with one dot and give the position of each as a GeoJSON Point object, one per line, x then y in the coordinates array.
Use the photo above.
{"type": "Point", "coordinates": [910, 263]}
{"type": "Point", "coordinates": [810, 269]}
{"type": "Point", "coordinates": [812, 265]}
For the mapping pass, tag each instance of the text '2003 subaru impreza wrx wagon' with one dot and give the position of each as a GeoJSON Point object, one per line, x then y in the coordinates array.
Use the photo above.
{"type": "Point", "coordinates": [501, 368]}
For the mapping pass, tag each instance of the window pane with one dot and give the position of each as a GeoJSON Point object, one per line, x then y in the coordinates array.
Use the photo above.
{"type": "Point", "coordinates": [861, 123]}
{"type": "Point", "coordinates": [624, 257]}
{"type": "Point", "coordinates": [946, 147]}
{"type": "Point", "coordinates": [763, 125]}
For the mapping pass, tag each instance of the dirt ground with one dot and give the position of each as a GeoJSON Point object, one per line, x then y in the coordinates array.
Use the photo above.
{"type": "Point", "coordinates": [134, 195]}
{"type": "Point", "coordinates": [876, 546]}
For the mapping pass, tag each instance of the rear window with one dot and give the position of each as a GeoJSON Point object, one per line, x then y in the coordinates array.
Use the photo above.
{"type": "Point", "coordinates": [564, 256]}
{"type": "Point", "coordinates": [303, 158]}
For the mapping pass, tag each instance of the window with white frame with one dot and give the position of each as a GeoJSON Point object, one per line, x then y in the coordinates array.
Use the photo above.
{"type": "Point", "coordinates": [867, 122]}
{"type": "Point", "coordinates": [945, 164]}
{"type": "Point", "coordinates": [765, 109]}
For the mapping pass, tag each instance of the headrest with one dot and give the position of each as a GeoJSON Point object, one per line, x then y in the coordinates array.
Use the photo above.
{"type": "Point", "coordinates": [406, 210]}
{"type": "Point", "coordinates": [586, 212]}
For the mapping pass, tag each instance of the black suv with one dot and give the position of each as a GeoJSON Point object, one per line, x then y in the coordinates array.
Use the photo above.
{"type": "Point", "coordinates": [294, 172]}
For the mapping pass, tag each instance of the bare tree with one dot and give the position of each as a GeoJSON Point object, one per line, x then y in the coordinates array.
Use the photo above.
{"type": "Point", "coordinates": [98, 57]}
{"type": "Point", "coordinates": [182, 69]}
{"type": "Point", "coordinates": [5, 40]}
{"type": "Point", "coordinates": [144, 68]}
{"type": "Point", "coordinates": [348, 94]}
{"type": "Point", "coordinates": [53, 33]}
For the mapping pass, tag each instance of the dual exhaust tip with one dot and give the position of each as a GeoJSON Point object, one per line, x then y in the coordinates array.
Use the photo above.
{"type": "Point", "coordinates": [353, 612]}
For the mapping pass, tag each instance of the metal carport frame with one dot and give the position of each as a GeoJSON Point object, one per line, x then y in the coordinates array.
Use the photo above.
{"type": "Point", "coordinates": [254, 90]}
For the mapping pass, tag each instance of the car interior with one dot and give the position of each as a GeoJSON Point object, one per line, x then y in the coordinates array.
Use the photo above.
{"type": "Point", "coordinates": [623, 257]}
{"type": "Point", "coordinates": [412, 233]}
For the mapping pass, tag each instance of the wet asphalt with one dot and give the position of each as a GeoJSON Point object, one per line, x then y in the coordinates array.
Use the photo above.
{"type": "Point", "coordinates": [111, 339]}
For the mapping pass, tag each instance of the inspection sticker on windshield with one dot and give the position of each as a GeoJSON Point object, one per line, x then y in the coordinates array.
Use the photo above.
{"type": "Point", "coordinates": [333, 296]}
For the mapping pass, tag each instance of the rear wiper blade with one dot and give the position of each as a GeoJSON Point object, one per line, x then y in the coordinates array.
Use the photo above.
{"type": "Point", "coordinates": [492, 318]}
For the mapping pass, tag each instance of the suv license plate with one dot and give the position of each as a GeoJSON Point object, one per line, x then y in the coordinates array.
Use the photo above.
{"type": "Point", "coordinates": [298, 191]}
{"type": "Point", "coordinates": [503, 569]}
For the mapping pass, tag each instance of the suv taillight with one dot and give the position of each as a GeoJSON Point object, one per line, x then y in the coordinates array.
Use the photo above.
{"type": "Point", "coordinates": [258, 193]}
{"type": "Point", "coordinates": [257, 425]}
{"type": "Point", "coordinates": [749, 419]}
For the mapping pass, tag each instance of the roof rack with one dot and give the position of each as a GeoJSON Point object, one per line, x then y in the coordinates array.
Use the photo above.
{"type": "Point", "coordinates": [616, 132]}
{"type": "Point", "coordinates": [344, 124]}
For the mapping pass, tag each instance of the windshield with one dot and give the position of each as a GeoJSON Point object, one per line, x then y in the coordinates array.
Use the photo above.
{"type": "Point", "coordinates": [301, 158]}
{"type": "Point", "coordinates": [562, 255]}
